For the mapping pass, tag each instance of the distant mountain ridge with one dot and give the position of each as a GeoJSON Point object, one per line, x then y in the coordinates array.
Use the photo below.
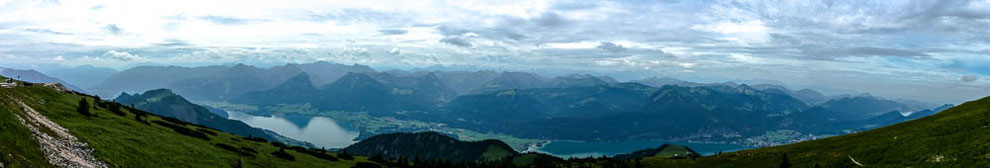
{"type": "Point", "coordinates": [36, 77]}
{"type": "Point", "coordinates": [218, 82]}
{"type": "Point", "coordinates": [85, 75]}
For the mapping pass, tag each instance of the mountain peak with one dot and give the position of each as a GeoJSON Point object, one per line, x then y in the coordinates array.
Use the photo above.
{"type": "Point", "coordinates": [159, 92]}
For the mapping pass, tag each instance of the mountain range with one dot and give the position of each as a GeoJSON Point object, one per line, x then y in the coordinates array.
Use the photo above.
{"type": "Point", "coordinates": [36, 77]}
{"type": "Point", "coordinates": [528, 105]}
{"type": "Point", "coordinates": [218, 82]}
{"type": "Point", "coordinates": [609, 110]}
{"type": "Point", "coordinates": [86, 75]}
{"type": "Point", "coordinates": [507, 102]}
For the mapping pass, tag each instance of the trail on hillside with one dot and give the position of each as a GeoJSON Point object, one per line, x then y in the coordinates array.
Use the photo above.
{"type": "Point", "coordinates": [61, 150]}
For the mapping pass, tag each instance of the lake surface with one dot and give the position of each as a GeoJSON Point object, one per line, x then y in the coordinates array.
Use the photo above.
{"type": "Point", "coordinates": [321, 131]}
{"type": "Point", "coordinates": [567, 149]}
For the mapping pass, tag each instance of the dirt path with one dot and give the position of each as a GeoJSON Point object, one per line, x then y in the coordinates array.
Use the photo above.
{"type": "Point", "coordinates": [854, 161]}
{"type": "Point", "coordinates": [61, 150]}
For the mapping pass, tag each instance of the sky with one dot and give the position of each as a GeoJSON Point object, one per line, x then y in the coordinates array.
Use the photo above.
{"type": "Point", "coordinates": [937, 51]}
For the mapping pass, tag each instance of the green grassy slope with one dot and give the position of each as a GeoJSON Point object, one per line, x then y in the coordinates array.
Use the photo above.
{"type": "Point", "coordinates": [957, 137]}
{"type": "Point", "coordinates": [124, 141]}
{"type": "Point", "coordinates": [17, 147]}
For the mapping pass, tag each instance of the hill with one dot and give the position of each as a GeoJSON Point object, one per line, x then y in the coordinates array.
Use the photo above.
{"type": "Point", "coordinates": [953, 138]}
{"type": "Point", "coordinates": [165, 103]}
{"type": "Point", "coordinates": [431, 146]}
{"type": "Point", "coordinates": [665, 150]}
{"type": "Point", "coordinates": [44, 127]}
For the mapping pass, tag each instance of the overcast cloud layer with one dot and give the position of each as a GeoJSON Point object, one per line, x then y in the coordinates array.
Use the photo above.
{"type": "Point", "coordinates": [928, 50]}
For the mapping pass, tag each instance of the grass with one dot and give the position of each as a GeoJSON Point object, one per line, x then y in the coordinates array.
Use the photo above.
{"type": "Point", "coordinates": [957, 137]}
{"type": "Point", "coordinates": [17, 147]}
{"type": "Point", "coordinates": [123, 141]}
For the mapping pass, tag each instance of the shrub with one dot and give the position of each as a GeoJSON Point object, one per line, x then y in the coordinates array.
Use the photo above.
{"type": "Point", "coordinates": [84, 108]}
{"type": "Point", "coordinates": [174, 120]}
{"type": "Point", "coordinates": [378, 158]}
{"type": "Point", "coordinates": [315, 153]}
{"type": "Point", "coordinates": [343, 155]}
{"type": "Point", "coordinates": [249, 150]}
{"type": "Point", "coordinates": [284, 155]}
{"type": "Point", "coordinates": [233, 149]}
{"type": "Point", "coordinates": [207, 131]}
{"type": "Point", "coordinates": [279, 145]}
{"type": "Point", "coordinates": [115, 109]}
{"type": "Point", "coordinates": [183, 130]}
{"type": "Point", "coordinates": [255, 139]}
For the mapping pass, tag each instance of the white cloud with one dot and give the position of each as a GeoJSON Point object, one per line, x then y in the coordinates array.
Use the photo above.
{"type": "Point", "coordinates": [687, 65]}
{"type": "Point", "coordinates": [122, 55]}
{"type": "Point", "coordinates": [744, 58]}
{"type": "Point", "coordinates": [713, 38]}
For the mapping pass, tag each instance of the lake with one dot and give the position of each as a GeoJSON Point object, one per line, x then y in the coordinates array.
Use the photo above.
{"type": "Point", "coordinates": [321, 131]}
{"type": "Point", "coordinates": [567, 149]}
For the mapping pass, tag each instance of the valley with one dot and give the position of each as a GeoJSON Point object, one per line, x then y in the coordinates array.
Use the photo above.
{"type": "Point", "coordinates": [494, 83]}
{"type": "Point", "coordinates": [560, 109]}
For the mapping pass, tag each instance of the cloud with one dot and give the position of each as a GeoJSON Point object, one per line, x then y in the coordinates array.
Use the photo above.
{"type": "Point", "coordinates": [394, 51]}
{"type": "Point", "coordinates": [611, 47]}
{"type": "Point", "coordinates": [899, 41]}
{"type": "Point", "coordinates": [459, 41]}
{"type": "Point", "coordinates": [227, 20]}
{"type": "Point", "coordinates": [825, 53]}
{"type": "Point", "coordinates": [393, 31]}
{"type": "Point", "coordinates": [687, 65]}
{"type": "Point", "coordinates": [173, 43]}
{"type": "Point", "coordinates": [550, 19]}
{"type": "Point", "coordinates": [969, 78]}
{"type": "Point", "coordinates": [873, 51]}
{"type": "Point", "coordinates": [49, 31]}
{"type": "Point", "coordinates": [122, 55]}
{"type": "Point", "coordinates": [113, 29]}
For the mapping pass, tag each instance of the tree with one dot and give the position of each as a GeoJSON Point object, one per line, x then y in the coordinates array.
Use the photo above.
{"type": "Point", "coordinates": [344, 155]}
{"type": "Point", "coordinates": [784, 162]}
{"type": "Point", "coordinates": [84, 108]}
{"type": "Point", "coordinates": [115, 108]}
